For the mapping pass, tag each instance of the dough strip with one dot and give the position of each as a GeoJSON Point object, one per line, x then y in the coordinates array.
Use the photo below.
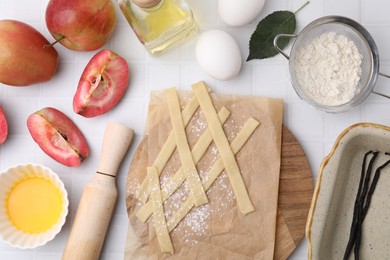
{"type": "Point", "coordinates": [187, 161]}
{"type": "Point", "coordinates": [220, 140]}
{"type": "Point", "coordinates": [240, 140]}
{"type": "Point", "coordinates": [159, 220]}
{"type": "Point", "coordinates": [177, 180]}
{"type": "Point", "coordinates": [167, 150]}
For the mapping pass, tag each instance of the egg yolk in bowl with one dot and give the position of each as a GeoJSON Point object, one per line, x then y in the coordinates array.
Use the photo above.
{"type": "Point", "coordinates": [34, 205]}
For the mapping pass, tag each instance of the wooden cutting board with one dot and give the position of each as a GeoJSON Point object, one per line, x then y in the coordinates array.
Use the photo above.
{"type": "Point", "coordinates": [295, 193]}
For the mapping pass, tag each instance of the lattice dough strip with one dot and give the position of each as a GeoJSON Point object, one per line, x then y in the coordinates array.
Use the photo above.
{"type": "Point", "coordinates": [177, 180]}
{"type": "Point", "coordinates": [159, 220]}
{"type": "Point", "coordinates": [238, 142]}
{"type": "Point", "coordinates": [187, 161]}
{"type": "Point", "coordinates": [167, 150]}
{"type": "Point", "coordinates": [220, 140]}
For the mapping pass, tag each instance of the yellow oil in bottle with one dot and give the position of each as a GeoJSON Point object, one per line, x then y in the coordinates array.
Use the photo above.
{"type": "Point", "coordinates": [34, 205]}
{"type": "Point", "coordinates": [162, 26]}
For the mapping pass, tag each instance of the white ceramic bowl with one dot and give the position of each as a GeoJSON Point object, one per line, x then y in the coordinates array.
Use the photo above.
{"type": "Point", "coordinates": [8, 232]}
{"type": "Point", "coordinates": [331, 213]}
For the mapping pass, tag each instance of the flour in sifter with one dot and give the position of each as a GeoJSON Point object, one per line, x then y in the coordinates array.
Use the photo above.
{"type": "Point", "coordinates": [328, 69]}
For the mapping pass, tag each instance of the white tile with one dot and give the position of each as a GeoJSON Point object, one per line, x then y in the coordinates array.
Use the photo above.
{"type": "Point", "coordinates": [380, 114]}
{"type": "Point", "coordinates": [192, 73]}
{"type": "Point", "coordinates": [22, 11]}
{"type": "Point", "coordinates": [64, 82]}
{"type": "Point", "coordinates": [57, 244]}
{"type": "Point", "coordinates": [242, 37]}
{"type": "Point", "coordinates": [163, 76]}
{"type": "Point", "coordinates": [16, 256]}
{"type": "Point", "coordinates": [137, 82]}
{"type": "Point", "coordinates": [204, 16]}
{"type": "Point", "coordinates": [306, 122]}
{"type": "Point", "coordinates": [64, 53]}
{"type": "Point", "coordinates": [312, 11]}
{"type": "Point", "coordinates": [3, 88]}
{"type": "Point", "coordinates": [4, 9]}
{"type": "Point", "coordinates": [4, 247]}
{"type": "Point", "coordinates": [47, 256]}
{"type": "Point", "coordinates": [115, 239]}
{"type": "Point", "coordinates": [329, 146]}
{"type": "Point", "coordinates": [348, 8]}
{"type": "Point", "coordinates": [49, 162]}
{"type": "Point", "coordinates": [89, 165]}
{"type": "Point", "coordinates": [64, 105]}
{"type": "Point", "coordinates": [381, 35]}
{"type": "Point", "coordinates": [127, 45]}
{"type": "Point", "coordinates": [129, 156]}
{"type": "Point", "coordinates": [121, 186]}
{"type": "Point", "coordinates": [120, 18]}
{"type": "Point", "coordinates": [336, 123]}
{"type": "Point", "coordinates": [130, 114]}
{"type": "Point", "coordinates": [120, 216]}
{"type": "Point", "coordinates": [91, 127]}
{"type": "Point", "coordinates": [78, 184]}
{"type": "Point", "coordinates": [315, 152]}
{"type": "Point", "coordinates": [109, 43]}
{"type": "Point", "coordinates": [20, 92]}
{"type": "Point", "coordinates": [17, 112]}
{"type": "Point", "coordinates": [19, 149]}
{"type": "Point", "coordinates": [301, 252]}
{"type": "Point", "coordinates": [240, 85]}
{"type": "Point", "coordinates": [270, 7]}
{"type": "Point", "coordinates": [188, 48]}
{"type": "Point", "coordinates": [172, 54]}
{"type": "Point", "coordinates": [292, 94]}
{"type": "Point", "coordinates": [111, 256]}
{"type": "Point", "coordinates": [271, 80]}
{"type": "Point", "coordinates": [375, 11]}
{"type": "Point", "coordinates": [83, 58]}
{"type": "Point", "coordinates": [382, 85]}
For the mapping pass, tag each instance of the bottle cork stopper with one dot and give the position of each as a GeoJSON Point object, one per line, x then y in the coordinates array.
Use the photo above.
{"type": "Point", "coordinates": [146, 3]}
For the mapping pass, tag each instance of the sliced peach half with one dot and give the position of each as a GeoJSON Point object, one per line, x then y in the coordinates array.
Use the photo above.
{"type": "Point", "coordinates": [58, 136]}
{"type": "Point", "coordinates": [102, 84]}
{"type": "Point", "coordinates": [3, 127]}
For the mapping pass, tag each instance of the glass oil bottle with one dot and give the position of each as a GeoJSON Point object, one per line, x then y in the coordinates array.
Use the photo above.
{"type": "Point", "coordinates": [159, 24]}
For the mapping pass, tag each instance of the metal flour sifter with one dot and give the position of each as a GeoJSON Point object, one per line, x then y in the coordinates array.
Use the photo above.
{"type": "Point", "coordinates": [363, 41]}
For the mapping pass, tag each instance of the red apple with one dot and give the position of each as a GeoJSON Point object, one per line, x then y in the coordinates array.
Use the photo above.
{"type": "Point", "coordinates": [58, 136]}
{"type": "Point", "coordinates": [3, 127]}
{"type": "Point", "coordinates": [23, 58]}
{"type": "Point", "coordinates": [79, 24]}
{"type": "Point", "coordinates": [102, 84]}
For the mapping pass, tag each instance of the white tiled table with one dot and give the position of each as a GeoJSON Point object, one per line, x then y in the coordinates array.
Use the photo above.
{"type": "Point", "coordinates": [315, 130]}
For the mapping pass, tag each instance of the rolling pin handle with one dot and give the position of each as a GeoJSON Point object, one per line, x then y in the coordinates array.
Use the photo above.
{"type": "Point", "coordinates": [98, 199]}
{"type": "Point", "coordinates": [116, 141]}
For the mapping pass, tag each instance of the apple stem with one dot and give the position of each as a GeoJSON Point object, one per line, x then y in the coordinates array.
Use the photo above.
{"type": "Point", "coordinates": [52, 44]}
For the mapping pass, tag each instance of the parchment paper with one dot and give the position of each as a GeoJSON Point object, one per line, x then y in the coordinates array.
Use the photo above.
{"type": "Point", "coordinates": [217, 230]}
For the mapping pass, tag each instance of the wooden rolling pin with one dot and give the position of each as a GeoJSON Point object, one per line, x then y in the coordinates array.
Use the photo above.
{"type": "Point", "coordinates": [98, 199]}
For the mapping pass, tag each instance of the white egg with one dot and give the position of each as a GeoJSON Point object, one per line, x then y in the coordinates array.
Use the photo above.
{"type": "Point", "coordinates": [218, 55]}
{"type": "Point", "coordinates": [239, 12]}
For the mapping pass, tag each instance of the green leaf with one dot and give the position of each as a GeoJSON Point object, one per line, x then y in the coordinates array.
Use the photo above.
{"type": "Point", "coordinates": [261, 45]}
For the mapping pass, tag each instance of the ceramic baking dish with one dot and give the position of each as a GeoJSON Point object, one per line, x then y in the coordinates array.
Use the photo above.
{"type": "Point", "coordinates": [330, 216]}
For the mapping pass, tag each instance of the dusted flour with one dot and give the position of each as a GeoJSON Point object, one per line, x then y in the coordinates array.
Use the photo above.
{"type": "Point", "coordinates": [328, 69]}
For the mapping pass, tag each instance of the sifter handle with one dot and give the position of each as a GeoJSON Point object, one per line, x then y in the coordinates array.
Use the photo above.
{"type": "Point", "coordinates": [381, 94]}
{"type": "Point", "coordinates": [116, 141]}
{"type": "Point", "coordinates": [276, 39]}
